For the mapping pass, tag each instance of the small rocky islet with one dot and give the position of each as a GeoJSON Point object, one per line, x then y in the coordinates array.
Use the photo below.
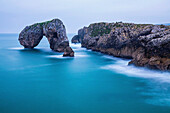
{"type": "Point", "coordinates": [146, 44]}
{"type": "Point", "coordinates": [53, 30]}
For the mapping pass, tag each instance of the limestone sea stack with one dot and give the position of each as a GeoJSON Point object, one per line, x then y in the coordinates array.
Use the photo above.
{"type": "Point", "coordinates": [148, 45]}
{"type": "Point", "coordinates": [53, 30]}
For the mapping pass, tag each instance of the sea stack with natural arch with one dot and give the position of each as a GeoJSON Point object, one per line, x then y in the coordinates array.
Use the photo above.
{"type": "Point", "coordinates": [55, 32]}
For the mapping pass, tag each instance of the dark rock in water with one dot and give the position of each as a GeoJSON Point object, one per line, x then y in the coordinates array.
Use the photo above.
{"type": "Point", "coordinates": [76, 39]}
{"type": "Point", "coordinates": [148, 45]}
{"type": "Point", "coordinates": [79, 38]}
{"type": "Point", "coordinates": [68, 52]}
{"type": "Point", "coordinates": [54, 30]}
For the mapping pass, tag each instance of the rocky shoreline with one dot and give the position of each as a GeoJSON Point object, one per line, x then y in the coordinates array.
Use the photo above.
{"type": "Point", "coordinates": [148, 45]}
{"type": "Point", "coordinates": [53, 30]}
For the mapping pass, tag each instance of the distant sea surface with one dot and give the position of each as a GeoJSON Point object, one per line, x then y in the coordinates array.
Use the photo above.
{"type": "Point", "coordinates": [42, 81]}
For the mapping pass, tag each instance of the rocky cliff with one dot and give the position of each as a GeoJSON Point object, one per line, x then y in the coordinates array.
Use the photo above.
{"type": "Point", "coordinates": [148, 45]}
{"type": "Point", "coordinates": [54, 31]}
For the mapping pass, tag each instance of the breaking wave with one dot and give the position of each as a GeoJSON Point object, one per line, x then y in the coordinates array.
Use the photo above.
{"type": "Point", "coordinates": [121, 66]}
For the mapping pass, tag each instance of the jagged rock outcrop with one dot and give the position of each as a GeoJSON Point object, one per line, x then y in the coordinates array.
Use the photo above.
{"type": "Point", "coordinates": [148, 45]}
{"type": "Point", "coordinates": [79, 38]}
{"type": "Point", "coordinates": [54, 31]}
{"type": "Point", "coordinates": [68, 52]}
{"type": "Point", "coordinates": [76, 39]}
{"type": "Point", "coordinates": [30, 36]}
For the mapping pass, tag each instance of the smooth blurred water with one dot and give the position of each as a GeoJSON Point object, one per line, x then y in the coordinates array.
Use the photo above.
{"type": "Point", "coordinates": [42, 81]}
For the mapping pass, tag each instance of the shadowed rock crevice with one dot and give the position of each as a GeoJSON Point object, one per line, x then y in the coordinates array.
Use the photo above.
{"type": "Point", "coordinates": [53, 30]}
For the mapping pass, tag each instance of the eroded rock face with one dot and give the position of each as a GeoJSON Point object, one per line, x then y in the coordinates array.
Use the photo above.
{"type": "Point", "coordinates": [68, 52]}
{"type": "Point", "coordinates": [31, 36]}
{"type": "Point", "coordinates": [76, 39]}
{"type": "Point", "coordinates": [148, 45]}
{"type": "Point", "coordinates": [54, 31]}
{"type": "Point", "coordinates": [56, 34]}
{"type": "Point", "coordinates": [79, 38]}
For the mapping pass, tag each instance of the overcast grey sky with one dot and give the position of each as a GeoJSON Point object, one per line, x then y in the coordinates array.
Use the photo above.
{"type": "Point", "coordinates": [16, 14]}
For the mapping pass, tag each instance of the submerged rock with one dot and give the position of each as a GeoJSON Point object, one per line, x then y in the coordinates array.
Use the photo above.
{"type": "Point", "coordinates": [148, 45]}
{"type": "Point", "coordinates": [54, 31]}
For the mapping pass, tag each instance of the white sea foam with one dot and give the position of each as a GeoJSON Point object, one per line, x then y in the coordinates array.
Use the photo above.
{"type": "Point", "coordinates": [21, 48]}
{"type": "Point", "coordinates": [61, 56]}
{"type": "Point", "coordinates": [77, 55]}
{"type": "Point", "coordinates": [79, 49]}
{"type": "Point", "coordinates": [158, 84]}
{"type": "Point", "coordinates": [111, 57]}
{"type": "Point", "coordinates": [58, 56]}
{"type": "Point", "coordinates": [17, 48]}
{"type": "Point", "coordinates": [37, 48]}
{"type": "Point", "coordinates": [121, 66]}
{"type": "Point", "coordinates": [42, 48]}
{"type": "Point", "coordinates": [75, 45]}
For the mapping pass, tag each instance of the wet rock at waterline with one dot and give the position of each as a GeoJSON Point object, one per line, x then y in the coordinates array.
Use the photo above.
{"type": "Point", "coordinates": [68, 52]}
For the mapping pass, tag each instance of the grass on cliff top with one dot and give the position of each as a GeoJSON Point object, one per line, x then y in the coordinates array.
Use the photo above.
{"type": "Point", "coordinates": [99, 29]}
{"type": "Point", "coordinates": [41, 24]}
{"type": "Point", "coordinates": [101, 32]}
{"type": "Point", "coordinates": [36, 24]}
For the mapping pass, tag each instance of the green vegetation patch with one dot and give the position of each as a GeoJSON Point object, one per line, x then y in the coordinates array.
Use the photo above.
{"type": "Point", "coordinates": [100, 32]}
{"type": "Point", "coordinates": [99, 29]}
{"type": "Point", "coordinates": [41, 24]}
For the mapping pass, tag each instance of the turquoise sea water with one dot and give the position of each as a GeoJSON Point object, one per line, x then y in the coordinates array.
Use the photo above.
{"type": "Point", "coordinates": [42, 81]}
